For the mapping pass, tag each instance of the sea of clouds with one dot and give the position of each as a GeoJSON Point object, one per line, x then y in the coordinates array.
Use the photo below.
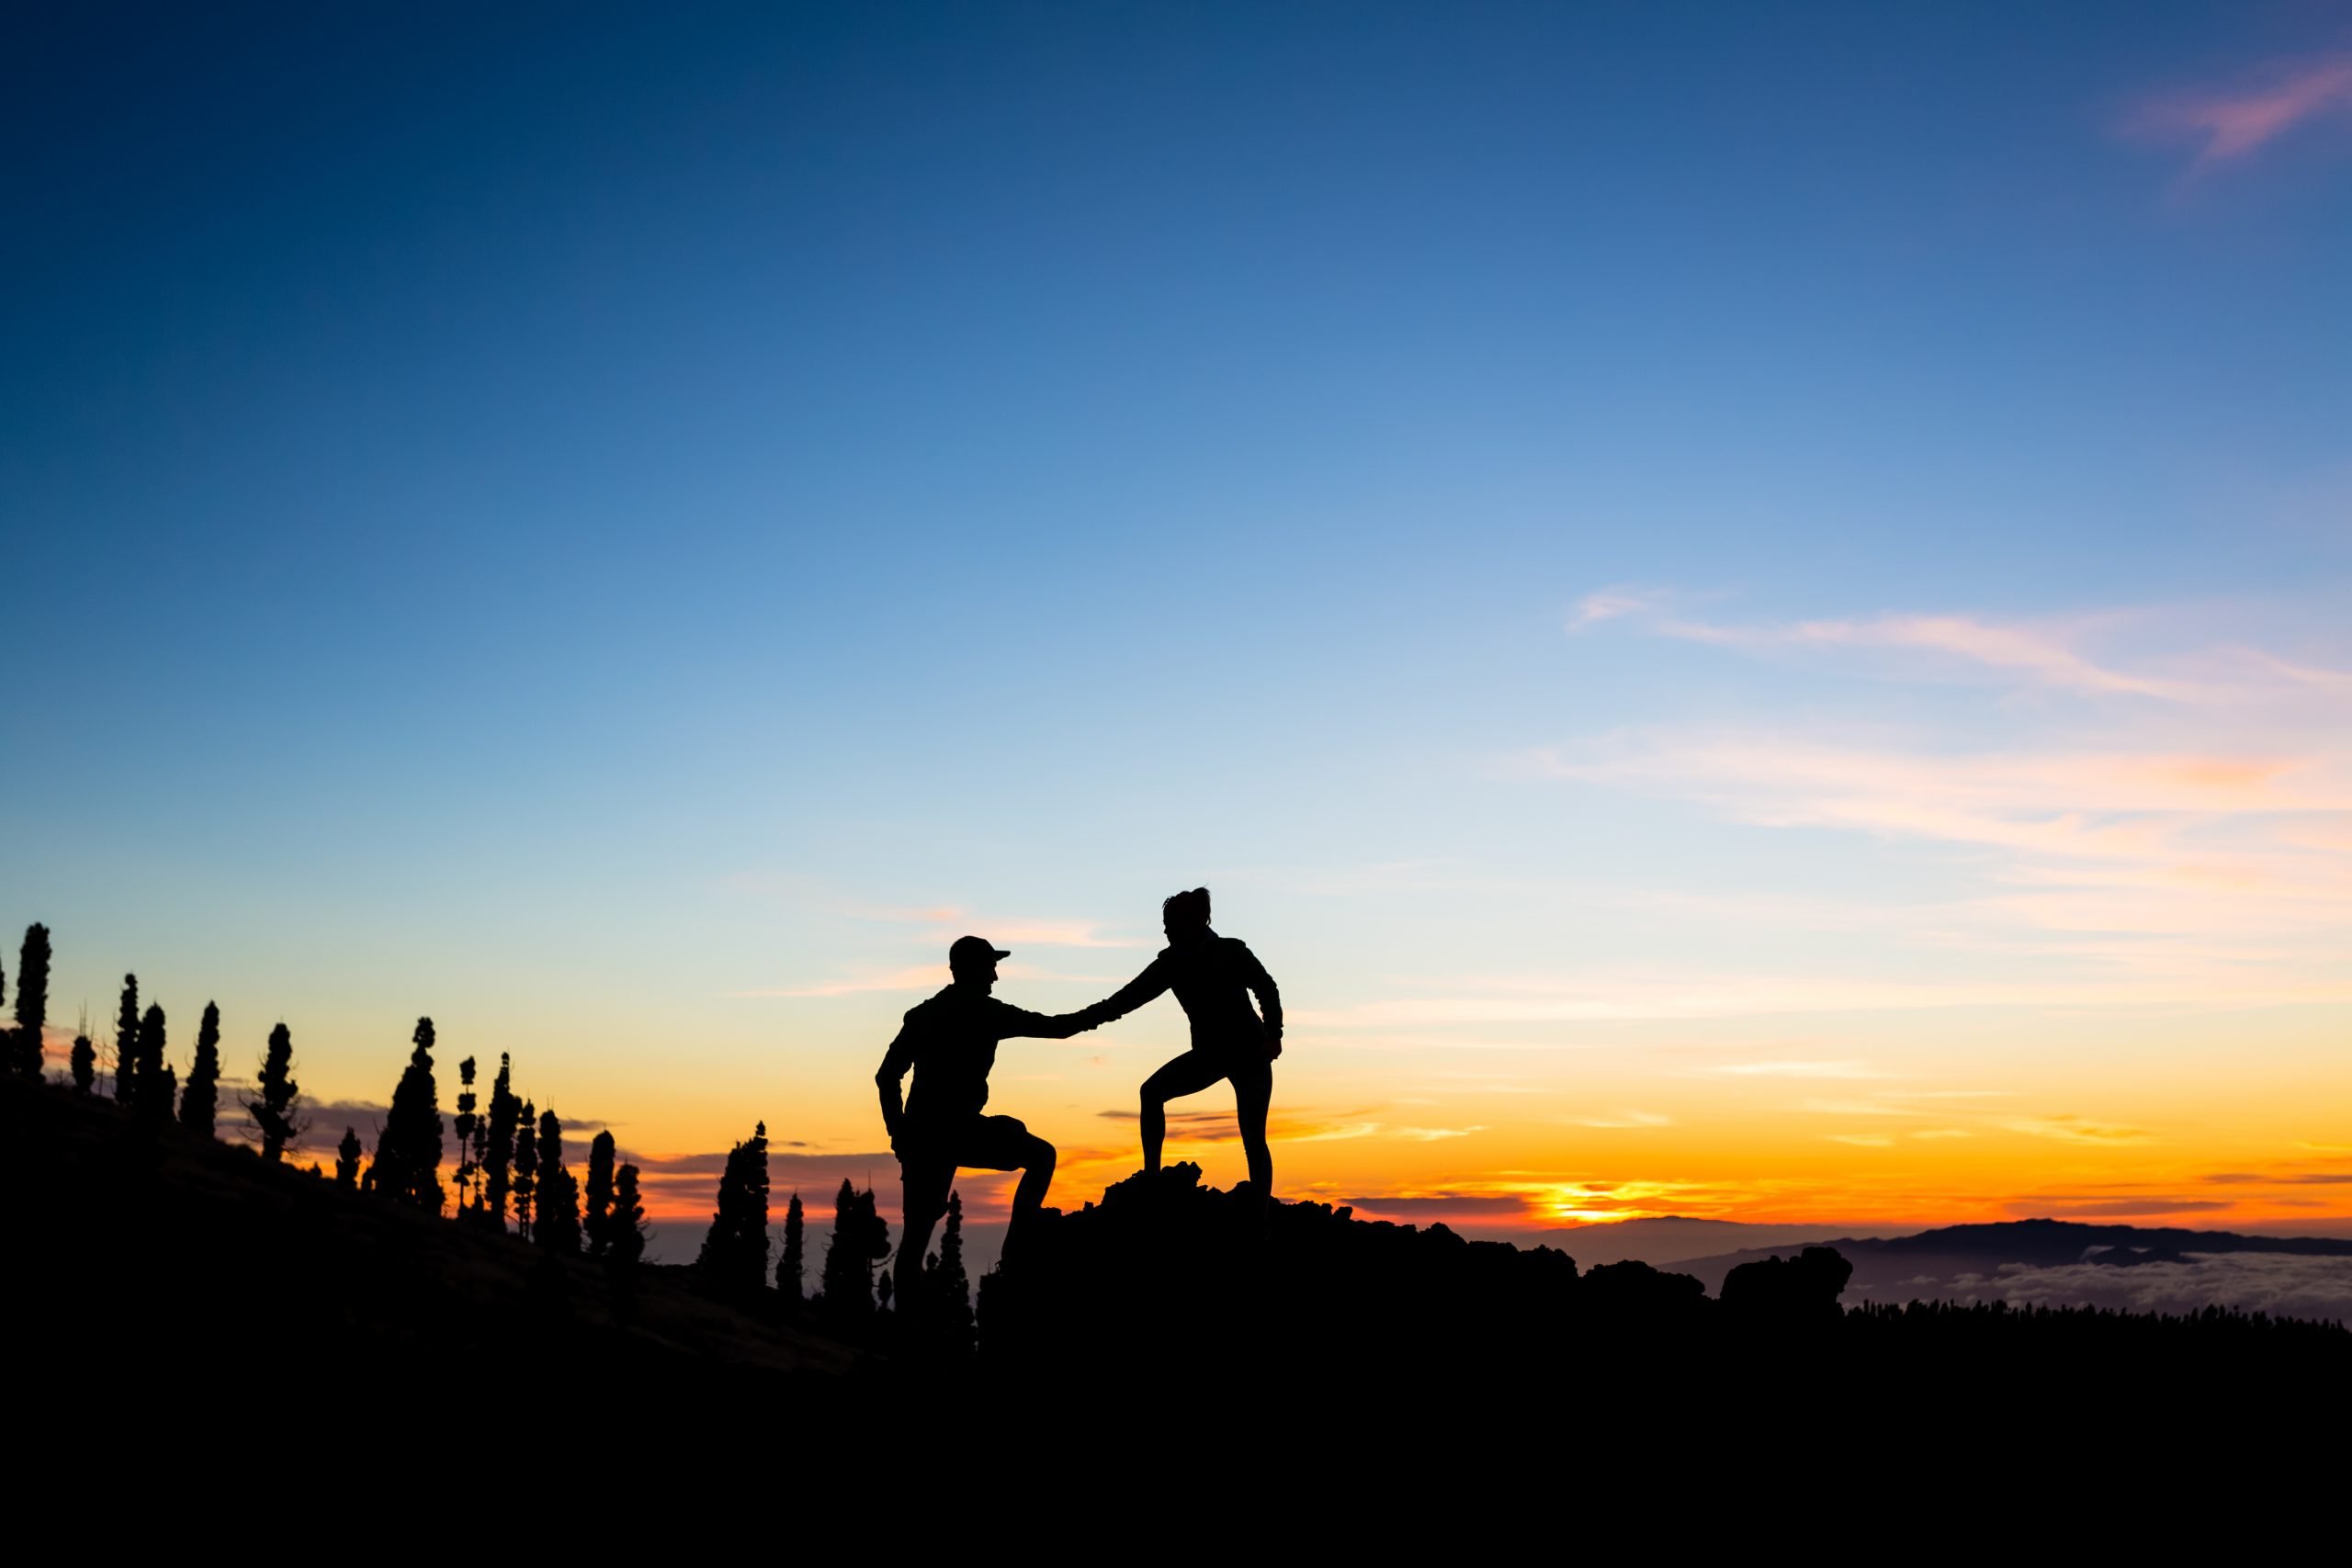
{"type": "Point", "coordinates": [2278, 1283]}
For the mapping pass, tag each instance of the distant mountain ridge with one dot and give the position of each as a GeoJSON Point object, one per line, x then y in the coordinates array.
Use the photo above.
{"type": "Point", "coordinates": [1671, 1238]}
{"type": "Point", "coordinates": [1953, 1260]}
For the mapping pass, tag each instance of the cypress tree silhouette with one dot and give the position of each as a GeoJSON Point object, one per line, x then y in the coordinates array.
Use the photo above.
{"type": "Point", "coordinates": [498, 1161]}
{"type": "Point", "coordinates": [558, 1223]}
{"type": "Point", "coordinates": [860, 1240]}
{"type": "Point", "coordinates": [464, 1124]}
{"type": "Point", "coordinates": [598, 1218]}
{"type": "Point", "coordinates": [201, 1104]}
{"type": "Point", "coordinates": [735, 1252]}
{"type": "Point", "coordinates": [126, 1045]}
{"type": "Point", "coordinates": [527, 1168]}
{"type": "Point", "coordinates": [273, 1114]}
{"type": "Point", "coordinates": [32, 1001]}
{"type": "Point", "coordinates": [85, 1061]}
{"type": "Point", "coordinates": [627, 1220]}
{"type": "Point", "coordinates": [156, 1080]}
{"type": "Point", "coordinates": [407, 1151]}
{"type": "Point", "coordinates": [346, 1160]}
{"type": "Point", "coordinates": [945, 1301]}
{"type": "Point", "coordinates": [792, 1271]}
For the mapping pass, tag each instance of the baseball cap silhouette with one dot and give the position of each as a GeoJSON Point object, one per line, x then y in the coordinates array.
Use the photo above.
{"type": "Point", "coordinates": [968, 950]}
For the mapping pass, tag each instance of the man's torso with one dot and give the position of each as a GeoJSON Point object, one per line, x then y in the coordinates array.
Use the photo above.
{"type": "Point", "coordinates": [955, 1052]}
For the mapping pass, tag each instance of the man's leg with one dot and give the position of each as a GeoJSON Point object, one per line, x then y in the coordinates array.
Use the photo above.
{"type": "Point", "coordinates": [1036, 1176]}
{"type": "Point", "coordinates": [926, 1183]}
{"type": "Point", "coordinates": [1005, 1142]}
{"type": "Point", "coordinates": [1187, 1074]}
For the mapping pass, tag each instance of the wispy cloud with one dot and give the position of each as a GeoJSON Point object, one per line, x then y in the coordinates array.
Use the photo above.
{"type": "Point", "coordinates": [1621, 1120]}
{"type": "Point", "coordinates": [2047, 653]}
{"type": "Point", "coordinates": [2171, 825]}
{"type": "Point", "coordinates": [2232, 124]}
{"type": "Point", "coordinates": [913, 977]}
{"type": "Point", "coordinates": [1842, 1069]}
{"type": "Point", "coordinates": [1609, 605]}
{"type": "Point", "coordinates": [2076, 1130]}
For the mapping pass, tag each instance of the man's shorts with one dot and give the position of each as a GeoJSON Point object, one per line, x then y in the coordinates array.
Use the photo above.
{"type": "Point", "coordinates": [976, 1142]}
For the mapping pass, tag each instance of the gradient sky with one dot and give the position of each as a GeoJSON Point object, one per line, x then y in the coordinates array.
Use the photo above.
{"type": "Point", "coordinates": [1746, 604]}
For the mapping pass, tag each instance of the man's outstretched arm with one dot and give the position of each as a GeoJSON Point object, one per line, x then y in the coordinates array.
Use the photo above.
{"type": "Point", "coordinates": [1020, 1023]}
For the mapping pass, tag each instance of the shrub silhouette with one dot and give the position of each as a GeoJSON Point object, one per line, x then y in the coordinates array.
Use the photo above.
{"type": "Point", "coordinates": [734, 1254]}
{"type": "Point", "coordinates": [944, 1302]}
{"type": "Point", "coordinates": [126, 1045]}
{"type": "Point", "coordinates": [408, 1152]}
{"type": "Point", "coordinates": [596, 1217]}
{"type": "Point", "coordinates": [200, 1101]}
{"type": "Point", "coordinates": [346, 1159]}
{"type": "Point", "coordinates": [1786, 1291]}
{"type": "Point", "coordinates": [792, 1269]}
{"type": "Point", "coordinates": [861, 1238]}
{"type": "Point", "coordinates": [32, 1002]}
{"type": "Point", "coordinates": [557, 1222]}
{"type": "Point", "coordinates": [273, 1114]}
{"type": "Point", "coordinates": [84, 1063]}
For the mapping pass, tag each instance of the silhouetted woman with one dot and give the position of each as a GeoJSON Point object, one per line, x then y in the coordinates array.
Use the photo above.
{"type": "Point", "coordinates": [1212, 976]}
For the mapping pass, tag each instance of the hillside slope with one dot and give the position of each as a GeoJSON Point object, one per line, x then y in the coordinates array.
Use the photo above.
{"type": "Point", "coordinates": [134, 1236]}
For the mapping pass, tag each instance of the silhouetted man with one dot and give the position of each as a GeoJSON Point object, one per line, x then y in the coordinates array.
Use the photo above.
{"type": "Point", "coordinates": [1212, 976]}
{"type": "Point", "coordinates": [950, 1042]}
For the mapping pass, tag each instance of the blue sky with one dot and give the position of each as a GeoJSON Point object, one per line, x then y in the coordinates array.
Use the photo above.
{"type": "Point", "coordinates": [572, 518]}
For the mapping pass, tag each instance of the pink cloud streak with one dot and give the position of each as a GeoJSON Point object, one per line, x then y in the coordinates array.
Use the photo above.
{"type": "Point", "coordinates": [2235, 125]}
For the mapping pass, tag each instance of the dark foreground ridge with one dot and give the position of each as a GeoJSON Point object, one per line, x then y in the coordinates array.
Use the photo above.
{"type": "Point", "coordinates": [145, 1247]}
{"type": "Point", "coordinates": [1166, 1278]}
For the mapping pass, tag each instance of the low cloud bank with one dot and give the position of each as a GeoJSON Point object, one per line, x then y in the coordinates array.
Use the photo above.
{"type": "Point", "coordinates": [2282, 1285]}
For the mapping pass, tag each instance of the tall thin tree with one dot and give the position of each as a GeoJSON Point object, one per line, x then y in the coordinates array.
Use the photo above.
{"type": "Point", "coordinates": [628, 1218]}
{"type": "Point", "coordinates": [126, 1045]}
{"type": "Point", "coordinates": [84, 1061]}
{"type": "Point", "coordinates": [273, 1114]}
{"type": "Point", "coordinates": [735, 1252]}
{"type": "Point", "coordinates": [346, 1160]}
{"type": "Point", "coordinates": [597, 1216]}
{"type": "Point", "coordinates": [558, 1220]}
{"type": "Point", "coordinates": [792, 1268]}
{"type": "Point", "coordinates": [526, 1167]}
{"type": "Point", "coordinates": [498, 1176]}
{"type": "Point", "coordinates": [32, 1002]}
{"type": "Point", "coordinates": [407, 1151]}
{"type": "Point", "coordinates": [200, 1101]}
{"type": "Point", "coordinates": [154, 1101]}
{"type": "Point", "coordinates": [463, 1124]}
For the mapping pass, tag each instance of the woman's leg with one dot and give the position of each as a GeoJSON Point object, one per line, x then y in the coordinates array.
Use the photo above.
{"type": "Point", "coordinates": [1187, 1074]}
{"type": "Point", "coordinates": [1253, 1093]}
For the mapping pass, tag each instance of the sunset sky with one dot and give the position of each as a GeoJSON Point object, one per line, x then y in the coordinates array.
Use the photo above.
{"type": "Point", "coordinates": [1746, 606]}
